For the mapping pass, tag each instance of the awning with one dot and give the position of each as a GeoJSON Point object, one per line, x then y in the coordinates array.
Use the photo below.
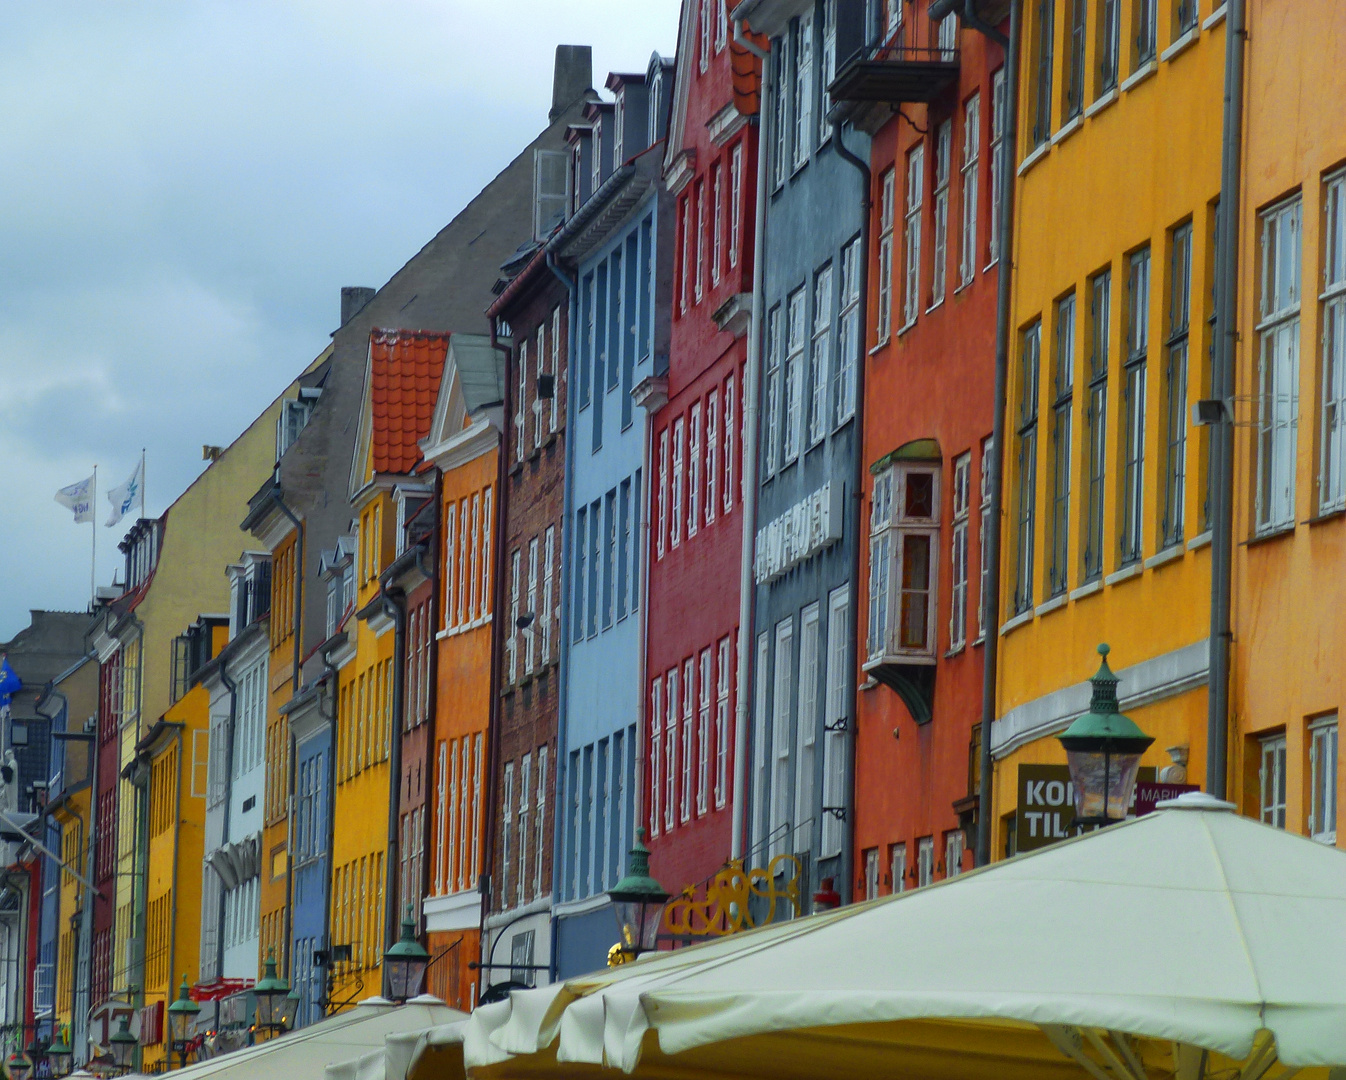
{"type": "Point", "coordinates": [306, 1053]}
{"type": "Point", "coordinates": [1125, 953]}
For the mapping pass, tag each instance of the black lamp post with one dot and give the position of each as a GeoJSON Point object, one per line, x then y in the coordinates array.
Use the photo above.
{"type": "Point", "coordinates": [637, 899]}
{"type": "Point", "coordinates": [1103, 750]}
{"type": "Point", "coordinates": [271, 993]}
{"type": "Point", "coordinates": [405, 963]}
{"type": "Point", "coordinates": [124, 1046]}
{"type": "Point", "coordinates": [181, 1015]}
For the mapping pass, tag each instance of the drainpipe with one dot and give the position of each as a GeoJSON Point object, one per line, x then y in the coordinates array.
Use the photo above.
{"type": "Point", "coordinates": [432, 676]}
{"type": "Point", "coordinates": [1222, 388]}
{"type": "Point", "coordinates": [857, 514]}
{"type": "Point", "coordinates": [287, 941]}
{"type": "Point", "coordinates": [485, 880]}
{"type": "Point", "coordinates": [394, 605]}
{"type": "Point", "coordinates": [748, 466]}
{"type": "Point", "coordinates": [563, 640]}
{"type": "Point", "coordinates": [333, 678]}
{"type": "Point", "coordinates": [173, 904]}
{"type": "Point", "coordinates": [298, 581]}
{"type": "Point", "coordinates": [996, 463]}
{"type": "Point", "coordinates": [232, 687]}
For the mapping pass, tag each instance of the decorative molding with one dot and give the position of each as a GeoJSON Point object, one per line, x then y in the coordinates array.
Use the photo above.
{"type": "Point", "coordinates": [651, 393]}
{"type": "Point", "coordinates": [680, 171]}
{"type": "Point", "coordinates": [1152, 680]}
{"type": "Point", "coordinates": [581, 907]}
{"type": "Point", "coordinates": [735, 314]}
{"type": "Point", "coordinates": [456, 911]}
{"type": "Point", "coordinates": [725, 124]}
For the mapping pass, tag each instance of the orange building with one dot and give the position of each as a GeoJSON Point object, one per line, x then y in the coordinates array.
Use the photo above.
{"type": "Point", "coordinates": [1289, 502]}
{"type": "Point", "coordinates": [463, 445]}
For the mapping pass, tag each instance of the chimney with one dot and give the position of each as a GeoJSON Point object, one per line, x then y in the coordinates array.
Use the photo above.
{"type": "Point", "coordinates": [353, 298]}
{"type": "Point", "coordinates": [572, 76]}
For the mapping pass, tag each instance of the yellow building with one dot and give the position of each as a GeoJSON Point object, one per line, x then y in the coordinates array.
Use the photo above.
{"type": "Point", "coordinates": [1289, 506]}
{"type": "Point", "coordinates": [1105, 530]}
{"type": "Point", "coordinates": [174, 758]}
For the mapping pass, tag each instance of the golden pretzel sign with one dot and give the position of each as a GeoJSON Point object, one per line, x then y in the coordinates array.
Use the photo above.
{"type": "Point", "coordinates": [725, 908]}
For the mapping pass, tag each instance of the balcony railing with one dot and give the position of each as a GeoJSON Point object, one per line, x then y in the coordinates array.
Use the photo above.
{"type": "Point", "coordinates": [914, 61]}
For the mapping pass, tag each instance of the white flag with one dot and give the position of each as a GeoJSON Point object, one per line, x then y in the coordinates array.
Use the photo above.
{"type": "Point", "coordinates": [79, 498]}
{"type": "Point", "coordinates": [126, 495]}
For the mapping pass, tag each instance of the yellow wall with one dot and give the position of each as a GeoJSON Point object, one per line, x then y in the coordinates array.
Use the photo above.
{"type": "Point", "coordinates": [73, 817]}
{"type": "Point", "coordinates": [1289, 592]}
{"type": "Point", "coordinates": [1111, 182]}
{"type": "Point", "coordinates": [364, 731]}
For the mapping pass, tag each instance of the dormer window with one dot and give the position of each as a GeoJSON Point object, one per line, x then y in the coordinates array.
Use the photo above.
{"type": "Point", "coordinates": [576, 174]}
{"type": "Point", "coordinates": [596, 157]}
{"type": "Point", "coordinates": [903, 547]}
{"type": "Point", "coordinates": [410, 502]}
{"type": "Point", "coordinates": [618, 124]}
{"type": "Point", "coordinates": [294, 415]}
{"type": "Point", "coordinates": [141, 550]}
{"type": "Point", "coordinates": [656, 97]}
{"type": "Point", "coordinates": [549, 191]}
{"type": "Point", "coordinates": [249, 592]}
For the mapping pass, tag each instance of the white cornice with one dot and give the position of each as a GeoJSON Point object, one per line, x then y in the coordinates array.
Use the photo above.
{"type": "Point", "coordinates": [479, 437]}
{"type": "Point", "coordinates": [725, 124]}
{"type": "Point", "coordinates": [679, 172]}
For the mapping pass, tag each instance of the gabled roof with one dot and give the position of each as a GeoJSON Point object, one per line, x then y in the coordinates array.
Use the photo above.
{"type": "Point", "coordinates": [404, 372]}
{"type": "Point", "coordinates": [471, 392]}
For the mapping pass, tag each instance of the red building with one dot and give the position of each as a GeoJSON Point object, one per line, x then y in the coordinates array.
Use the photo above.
{"type": "Point", "coordinates": [928, 404]}
{"type": "Point", "coordinates": [695, 503]}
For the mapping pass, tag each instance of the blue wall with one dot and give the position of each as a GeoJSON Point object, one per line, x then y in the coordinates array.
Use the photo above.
{"type": "Point", "coordinates": [312, 804]}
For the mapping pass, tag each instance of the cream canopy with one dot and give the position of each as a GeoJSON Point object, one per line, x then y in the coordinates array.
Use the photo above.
{"type": "Point", "coordinates": [1132, 951]}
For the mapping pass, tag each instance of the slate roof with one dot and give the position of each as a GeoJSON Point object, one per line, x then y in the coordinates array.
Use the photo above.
{"type": "Point", "coordinates": [405, 369]}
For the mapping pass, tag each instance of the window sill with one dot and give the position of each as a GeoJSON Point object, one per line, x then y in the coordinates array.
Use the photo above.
{"type": "Point", "coordinates": [1087, 589]}
{"type": "Point", "coordinates": [980, 639]}
{"type": "Point", "coordinates": [990, 265]}
{"type": "Point", "coordinates": [1214, 18]}
{"type": "Point", "coordinates": [905, 327]}
{"type": "Point", "coordinates": [1200, 540]}
{"type": "Point", "coordinates": [954, 652]}
{"type": "Point", "coordinates": [1139, 75]}
{"type": "Point", "coordinates": [1016, 622]}
{"type": "Point", "coordinates": [1069, 129]}
{"type": "Point", "coordinates": [965, 284]}
{"type": "Point", "coordinates": [1125, 574]}
{"type": "Point", "coordinates": [1033, 158]}
{"type": "Point", "coordinates": [870, 683]}
{"type": "Point", "coordinates": [1175, 551]}
{"type": "Point", "coordinates": [935, 306]}
{"type": "Point", "coordinates": [1274, 534]}
{"type": "Point", "coordinates": [1102, 103]}
{"type": "Point", "coordinates": [883, 344]}
{"type": "Point", "coordinates": [1048, 606]}
{"type": "Point", "coordinates": [1181, 45]}
{"type": "Point", "coordinates": [1327, 515]}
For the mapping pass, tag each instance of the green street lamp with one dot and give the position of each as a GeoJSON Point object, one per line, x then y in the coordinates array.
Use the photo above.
{"type": "Point", "coordinates": [19, 1064]}
{"type": "Point", "coordinates": [124, 1046]}
{"type": "Point", "coordinates": [181, 1015]}
{"type": "Point", "coordinates": [290, 1009]}
{"type": "Point", "coordinates": [1103, 750]}
{"type": "Point", "coordinates": [405, 962]}
{"type": "Point", "coordinates": [638, 899]}
{"type": "Point", "coordinates": [271, 993]}
{"type": "Point", "coordinates": [60, 1056]}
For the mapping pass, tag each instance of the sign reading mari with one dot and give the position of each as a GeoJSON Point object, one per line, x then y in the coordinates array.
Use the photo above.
{"type": "Point", "coordinates": [799, 533]}
{"type": "Point", "coordinates": [1046, 810]}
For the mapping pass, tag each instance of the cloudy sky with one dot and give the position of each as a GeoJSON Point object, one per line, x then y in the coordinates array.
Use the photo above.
{"type": "Point", "coordinates": [187, 186]}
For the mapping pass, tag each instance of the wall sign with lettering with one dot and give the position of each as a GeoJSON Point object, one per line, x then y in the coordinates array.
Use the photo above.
{"type": "Point", "coordinates": [799, 533]}
{"type": "Point", "coordinates": [1046, 810]}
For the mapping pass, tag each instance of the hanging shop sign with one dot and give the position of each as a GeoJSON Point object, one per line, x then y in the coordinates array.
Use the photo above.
{"type": "Point", "coordinates": [799, 533]}
{"type": "Point", "coordinates": [725, 903]}
{"type": "Point", "coordinates": [1046, 809]}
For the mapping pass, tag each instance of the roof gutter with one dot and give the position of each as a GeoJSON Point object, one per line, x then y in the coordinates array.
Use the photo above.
{"type": "Point", "coordinates": [968, 13]}
{"type": "Point", "coordinates": [990, 599]}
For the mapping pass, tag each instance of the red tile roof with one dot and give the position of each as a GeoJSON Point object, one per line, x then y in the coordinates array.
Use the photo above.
{"type": "Point", "coordinates": [746, 68]}
{"type": "Point", "coordinates": [405, 369]}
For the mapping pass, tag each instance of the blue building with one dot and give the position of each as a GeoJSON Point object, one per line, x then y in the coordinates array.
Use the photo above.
{"type": "Point", "coordinates": [615, 250]}
{"type": "Point", "coordinates": [811, 348]}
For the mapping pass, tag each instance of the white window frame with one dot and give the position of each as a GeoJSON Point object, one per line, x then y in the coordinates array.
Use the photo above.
{"type": "Point", "coordinates": [871, 873]}
{"type": "Point", "coordinates": [892, 532]}
{"type": "Point", "coordinates": [512, 641]}
{"type": "Point", "coordinates": [703, 35]}
{"type": "Point", "coordinates": [962, 504]}
{"type": "Point", "coordinates": [943, 154]}
{"type": "Point", "coordinates": [782, 685]}
{"type": "Point", "coordinates": [802, 90]}
{"type": "Point", "coordinates": [850, 336]}
{"type": "Point", "coordinates": [717, 222]}
{"type": "Point", "coordinates": [969, 171]}
{"type": "Point", "coordinates": [539, 821]}
{"type": "Point", "coordinates": [699, 283]}
{"type": "Point", "coordinates": [521, 413]}
{"type": "Point", "coordinates": [703, 740]}
{"type": "Point", "coordinates": [897, 866]}
{"type": "Point", "coordinates": [661, 534]}
{"type": "Point", "coordinates": [1332, 455]}
{"type": "Point", "coordinates": [525, 805]}
{"type": "Point", "coordinates": [679, 461]}
{"type": "Point", "coordinates": [541, 364]}
{"type": "Point", "coordinates": [724, 658]}
{"type": "Point", "coordinates": [828, 65]}
{"type": "Point", "coordinates": [686, 207]}
{"type": "Point", "coordinates": [780, 48]}
{"type": "Point", "coordinates": [997, 164]}
{"type": "Point", "coordinates": [1280, 240]}
{"type": "Point", "coordinates": [807, 724]}
{"type": "Point", "coordinates": [688, 733]}
{"type": "Point", "coordinates": [555, 367]}
{"type": "Point", "coordinates": [506, 827]}
{"type": "Point", "coordinates": [794, 374]}
{"type": "Point", "coordinates": [694, 471]}
{"type": "Point", "coordinates": [656, 751]}
{"type": "Point", "coordinates": [729, 439]}
{"type": "Point", "coordinates": [925, 861]}
{"type": "Point", "coordinates": [712, 453]}
{"type": "Point", "coordinates": [837, 701]}
{"type": "Point", "coordinates": [548, 591]}
{"type": "Point", "coordinates": [983, 549]}
{"type": "Point", "coordinates": [820, 357]}
{"type": "Point", "coordinates": [911, 235]}
{"type": "Point", "coordinates": [954, 846]}
{"type": "Point", "coordinates": [775, 345]}
{"type": "Point", "coordinates": [887, 203]}
{"type": "Point", "coordinates": [735, 196]}
{"type": "Point", "coordinates": [530, 631]}
{"type": "Point", "coordinates": [1324, 764]}
{"type": "Point", "coordinates": [1272, 780]}
{"type": "Point", "coordinates": [441, 816]}
{"type": "Point", "coordinates": [671, 749]}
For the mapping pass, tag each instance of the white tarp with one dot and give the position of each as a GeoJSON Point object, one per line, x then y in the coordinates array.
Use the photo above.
{"type": "Point", "coordinates": [1190, 924]}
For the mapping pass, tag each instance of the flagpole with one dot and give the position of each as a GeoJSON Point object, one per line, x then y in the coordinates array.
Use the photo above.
{"type": "Point", "coordinates": [142, 481]}
{"type": "Point", "coordinates": [93, 555]}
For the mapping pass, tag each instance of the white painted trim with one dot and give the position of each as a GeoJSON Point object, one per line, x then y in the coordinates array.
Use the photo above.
{"type": "Point", "coordinates": [1124, 574]}
{"type": "Point", "coordinates": [1215, 17]}
{"type": "Point", "coordinates": [1165, 556]}
{"type": "Point", "coordinates": [1102, 103]}
{"type": "Point", "coordinates": [457, 911]}
{"type": "Point", "coordinates": [581, 907]}
{"type": "Point", "coordinates": [1152, 680]}
{"type": "Point", "coordinates": [497, 919]}
{"type": "Point", "coordinates": [1181, 45]}
{"type": "Point", "coordinates": [478, 438]}
{"type": "Point", "coordinates": [1033, 158]}
{"type": "Point", "coordinates": [1071, 126]}
{"type": "Point", "coordinates": [1048, 606]}
{"type": "Point", "coordinates": [1140, 75]}
{"type": "Point", "coordinates": [1087, 589]}
{"type": "Point", "coordinates": [1200, 540]}
{"type": "Point", "coordinates": [1016, 622]}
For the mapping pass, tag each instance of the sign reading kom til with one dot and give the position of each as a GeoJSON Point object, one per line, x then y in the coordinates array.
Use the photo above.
{"type": "Point", "coordinates": [1046, 810]}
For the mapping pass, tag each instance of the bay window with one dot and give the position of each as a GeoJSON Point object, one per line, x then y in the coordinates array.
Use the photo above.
{"type": "Point", "coordinates": [904, 532]}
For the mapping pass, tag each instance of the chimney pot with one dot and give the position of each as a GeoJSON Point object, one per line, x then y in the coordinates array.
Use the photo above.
{"type": "Point", "coordinates": [571, 77]}
{"type": "Point", "coordinates": [353, 298]}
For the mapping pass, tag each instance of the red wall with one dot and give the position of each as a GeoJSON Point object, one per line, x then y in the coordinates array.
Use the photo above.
{"type": "Point", "coordinates": [935, 380]}
{"type": "Point", "coordinates": [694, 588]}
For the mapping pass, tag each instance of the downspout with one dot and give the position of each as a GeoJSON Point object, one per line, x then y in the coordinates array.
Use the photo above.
{"type": "Point", "coordinates": [173, 904]}
{"type": "Point", "coordinates": [1222, 388]}
{"type": "Point", "coordinates": [996, 463]}
{"type": "Point", "coordinates": [333, 678]}
{"type": "Point", "coordinates": [431, 677]}
{"type": "Point", "coordinates": [857, 516]}
{"type": "Point", "coordinates": [485, 882]}
{"type": "Point", "coordinates": [232, 687]}
{"type": "Point", "coordinates": [394, 605]}
{"type": "Point", "coordinates": [748, 466]}
{"type": "Point", "coordinates": [298, 581]}
{"type": "Point", "coordinates": [563, 638]}
{"type": "Point", "coordinates": [287, 942]}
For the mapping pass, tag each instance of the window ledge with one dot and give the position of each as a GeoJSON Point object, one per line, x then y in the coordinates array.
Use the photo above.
{"type": "Point", "coordinates": [1327, 515]}
{"type": "Point", "coordinates": [1214, 18]}
{"type": "Point", "coordinates": [954, 652]}
{"type": "Point", "coordinates": [990, 265]}
{"type": "Point", "coordinates": [1033, 158]}
{"type": "Point", "coordinates": [980, 639]}
{"type": "Point", "coordinates": [1175, 551]}
{"type": "Point", "coordinates": [883, 344]}
{"type": "Point", "coordinates": [1087, 589]}
{"type": "Point", "coordinates": [905, 327]}
{"type": "Point", "coordinates": [1048, 606]}
{"type": "Point", "coordinates": [1140, 75]}
{"type": "Point", "coordinates": [1181, 45]}
{"type": "Point", "coordinates": [1102, 103]}
{"type": "Point", "coordinates": [1273, 534]}
{"type": "Point", "coordinates": [965, 284]}
{"type": "Point", "coordinates": [1124, 574]}
{"type": "Point", "coordinates": [1016, 622]}
{"type": "Point", "coordinates": [870, 683]}
{"type": "Point", "coordinates": [935, 306]}
{"type": "Point", "coordinates": [1200, 540]}
{"type": "Point", "coordinates": [1069, 129]}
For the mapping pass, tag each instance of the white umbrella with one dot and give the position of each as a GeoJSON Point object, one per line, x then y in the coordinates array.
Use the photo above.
{"type": "Point", "coordinates": [1191, 925]}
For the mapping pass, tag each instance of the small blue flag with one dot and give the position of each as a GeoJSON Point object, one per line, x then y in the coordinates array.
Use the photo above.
{"type": "Point", "coordinates": [10, 683]}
